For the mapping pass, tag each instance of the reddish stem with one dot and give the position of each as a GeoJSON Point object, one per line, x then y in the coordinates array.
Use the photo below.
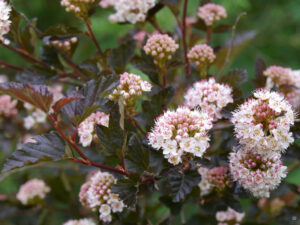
{"type": "Point", "coordinates": [123, 162]}
{"type": "Point", "coordinates": [92, 36]}
{"type": "Point", "coordinates": [155, 25]}
{"type": "Point", "coordinates": [28, 56]}
{"type": "Point", "coordinates": [11, 66]}
{"type": "Point", "coordinates": [35, 60]}
{"type": "Point", "coordinates": [145, 179]}
{"type": "Point", "coordinates": [85, 160]}
{"type": "Point", "coordinates": [183, 29]}
{"type": "Point", "coordinates": [135, 123]}
{"type": "Point", "coordinates": [208, 34]}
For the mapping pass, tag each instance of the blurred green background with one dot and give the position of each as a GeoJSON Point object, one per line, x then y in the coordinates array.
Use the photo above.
{"type": "Point", "coordinates": [276, 22]}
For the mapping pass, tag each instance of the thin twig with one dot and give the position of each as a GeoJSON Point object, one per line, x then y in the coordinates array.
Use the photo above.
{"type": "Point", "coordinates": [208, 34]}
{"type": "Point", "coordinates": [85, 160]}
{"type": "Point", "coordinates": [28, 56]}
{"type": "Point", "coordinates": [232, 41]}
{"type": "Point", "coordinates": [135, 123]}
{"type": "Point", "coordinates": [11, 66]}
{"type": "Point", "coordinates": [155, 25]}
{"type": "Point", "coordinates": [92, 36]}
{"type": "Point", "coordinates": [183, 29]}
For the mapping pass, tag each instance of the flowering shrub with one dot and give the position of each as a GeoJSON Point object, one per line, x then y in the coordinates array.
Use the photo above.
{"type": "Point", "coordinates": [158, 130]}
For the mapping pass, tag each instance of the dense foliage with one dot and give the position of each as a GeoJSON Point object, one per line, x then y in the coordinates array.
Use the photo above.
{"type": "Point", "coordinates": [154, 131]}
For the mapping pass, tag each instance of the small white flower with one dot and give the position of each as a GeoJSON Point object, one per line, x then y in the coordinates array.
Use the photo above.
{"type": "Point", "coordinates": [86, 139]}
{"type": "Point", "coordinates": [29, 122]}
{"type": "Point", "coordinates": [104, 210]}
{"type": "Point", "coordinates": [117, 206]}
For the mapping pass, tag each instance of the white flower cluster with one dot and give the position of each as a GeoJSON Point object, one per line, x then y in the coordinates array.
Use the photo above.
{"type": "Point", "coordinates": [257, 173]}
{"type": "Point", "coordinates": [96, 194]}
{"type": "Point", "coordinates": [64, 45]}
{"type": "Point", "coordinates": [211, 13]}
{"type": "Point", "coordinates": [32, 191]}
{"type": "Point", "coordinates": [181, 132]}
{"type": "Point", "coordinates": [5, 22]}
{"type": "Point", "coordinates": [161, 47]}
{"type": "Point", "coordinates": [84, 221]}
{"type": "Point", "coordinates": [202, 55]}
{"type": "Point", "coordinates": [86, 129]}
{"type": "Point", "coordinates": [131, 11]}
{"type": "Point", "coordinates": [229, 217]}
{"type": "Point", "coordinates": [130, 88]}
{"type": "Point", "coordinates": [287, 81]}
{"type": "Point", "coordinates": [262, 124]}
{"type": "Point", "coordinates": [215, 179]}
{"type": "Point", "coordinates": [36, 116]}
{"type": "Point", "coordinates": [210, 96]}
{"type": "Point", "coordinates": [79, 7]}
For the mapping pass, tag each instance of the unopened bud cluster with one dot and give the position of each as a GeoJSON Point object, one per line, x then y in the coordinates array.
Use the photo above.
{"type": "Point", "coordinates": [211, 13]}
{"type": "Point", "coordinates": [161, 47]}
{"type": "Point", "coordinates": [287, 81]}
{"type": "Point", "coordinates": [210, 96]}
{"type": "Point", "coordinates": [215, 179]}
{"type": "Point", "coordinates": [107, 3]}
{"type": "Point", "coordinates": [257, 173]}
{"type": "Point", "coordinates": [87, 128]}
{"type": "Point", "coordinates": [229, 217]}
{"type": "Point", "coordinates": [129, 90]}
{"type": "Point", "coordinates": [131, 11]}
{"type": "Point", "coordinates": [263, 123]}
{"type": "Point", "coordinates": [8, 106]}
{"type": "Point", "coordinates": [5, 22]}
{"type": "Point", "coordinates": [202, 55]}
{"type": "Point", "coordinates": [80, 222]}
{"type": "Point", "coordinates": [64, 45]}
{"type": "Point", "coordinates": [96, 194]}
{"type": "Point", "coordinates": [79, 7]}
{"type": "Point", "coordinates": [32, 192]}
{"type": "Point", "coordinates": [279, 75]}
{"type": "Point", "coordinates": [181, 132]}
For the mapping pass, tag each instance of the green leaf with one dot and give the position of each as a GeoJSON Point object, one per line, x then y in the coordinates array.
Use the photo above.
{"type": "Point", "coordinates": [235, 78]}
{"type": "Point", "coordinates": [112, 137]}
{"type": "Point", "coordinates": [61, 30]}
{"type": "Point", "coordinates": [182, 184]}
{"type": "Point", "coordinates": [127, 191]}
{"type": "Point", "coordinates": [48, 147]}
{"type": "Point", "coordinates": [137, 157]}
{"type": "Point", "coordinates": [37, 95]}
{"type": "Point", "coordinates": [119, 57]}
